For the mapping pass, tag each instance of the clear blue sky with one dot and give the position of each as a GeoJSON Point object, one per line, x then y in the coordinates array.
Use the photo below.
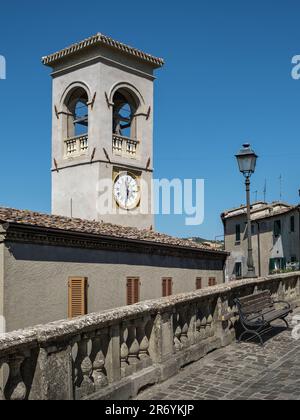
{"type": "Point", "coordinates": [227, 79]}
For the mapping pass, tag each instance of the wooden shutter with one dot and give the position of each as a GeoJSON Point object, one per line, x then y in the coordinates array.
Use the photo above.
{"type": "Point", "coordinates": [212, 281]}
{"type": "Point", "coordinates": [133, 290]}
{"type": "Point", "coordinates": [199, 283]}
{"type": "Point", "coordinates": [167, 284]}
{"type": "Point", "coordinates": [77, 297]}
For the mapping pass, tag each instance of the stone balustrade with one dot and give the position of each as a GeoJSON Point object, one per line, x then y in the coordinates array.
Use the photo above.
{"type": "Point", "coordinates": [76, 146]}
{"type": "Point", "coordinates": [124, 146]}
{"type": "Point", "coordinates": [114, 354]}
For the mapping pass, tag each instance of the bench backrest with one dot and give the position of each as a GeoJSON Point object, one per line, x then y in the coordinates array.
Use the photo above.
{"type": "Point", "coordinates": [255, 303]}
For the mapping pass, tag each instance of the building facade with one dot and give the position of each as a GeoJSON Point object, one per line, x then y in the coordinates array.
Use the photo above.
{"type": "Point", "coordinates": [102, 131]}
{"type": "Point", "coordinates": [53, 267]}
{"type": "Point", "coordinates": [275, 238]}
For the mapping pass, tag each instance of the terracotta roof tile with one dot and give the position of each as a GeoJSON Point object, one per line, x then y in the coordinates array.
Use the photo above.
{"type": "Point", "coordinates": [100, 39]}
{"type": "Point", "coordinates": [30, 218]}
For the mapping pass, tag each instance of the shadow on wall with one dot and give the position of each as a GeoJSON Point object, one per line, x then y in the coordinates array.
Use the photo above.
{"type": "Point", "coordinates": [28, 252]}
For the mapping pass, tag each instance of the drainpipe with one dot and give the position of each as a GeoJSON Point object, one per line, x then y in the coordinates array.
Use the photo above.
{"type": "Point", "coordinates": [258, 249]}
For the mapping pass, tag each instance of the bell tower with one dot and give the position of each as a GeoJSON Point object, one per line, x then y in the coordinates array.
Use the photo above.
{"type": "Point", "coordinates": [102, 132]}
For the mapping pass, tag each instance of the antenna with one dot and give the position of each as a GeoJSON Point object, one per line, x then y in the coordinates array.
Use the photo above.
{"type": "Point", "coordinates": [265, 191]}
{"type": "Point", "coordinates": [280, 186]}
{"type": "Point", "coordinates": [256, 195]}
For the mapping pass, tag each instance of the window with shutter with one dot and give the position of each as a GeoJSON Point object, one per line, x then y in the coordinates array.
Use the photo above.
{"type": "Point", "coordinates": [199, 283]}
{"type": "Point", "coordinates": [77, 305]}
{"type": "Point", "coordinates": [237, 233]}
{"type": "Point", "coordinates": [133, 290]}
{"type": "Point", "coordinates": [212, 281]}
{"type": "Point", "coordinates": [167, 286]}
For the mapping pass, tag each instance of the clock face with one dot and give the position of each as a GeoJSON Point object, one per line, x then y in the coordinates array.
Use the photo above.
{"type": "Point", "coordinates": [127, 191]}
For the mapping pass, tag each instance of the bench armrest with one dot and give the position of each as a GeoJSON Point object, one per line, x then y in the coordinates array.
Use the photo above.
{"type": "Point", "coordinates": [287, 305]}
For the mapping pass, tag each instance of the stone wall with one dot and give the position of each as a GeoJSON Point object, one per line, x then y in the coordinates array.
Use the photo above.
{"type": "Point", "coordinates": [114, 354]}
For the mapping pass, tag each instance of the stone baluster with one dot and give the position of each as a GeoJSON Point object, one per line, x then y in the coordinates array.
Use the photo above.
{"type": "Point", "coordinates": [84, 381]}
{"type": "Point", "coordinates": [124, 350]}
{"type": "Point", "coordinates": [210, 327]}
{"type": "Point", "coordinates": [184, 335]}
{"type": "Point", "coordinates": [177, 342]}
{"type": "Point", "coordinates": [298, 286]}
{"type": "Point", "coordinates": [193, 333]}
{"type": "Point", "coordinates": [143, 341]}
{"type": "Point", "coordinates": [281, 291]}
{"type": "Point", "coordinates": [133, 346]}
{"type": "Point", "coordinates": [203, 328]}
{"type": "Point", "coordinates": [184, 321]}
{"type": "Point", "coordinates": [99, 351]}
{"type": "Point", "coordinates": [177, 331]}
{"type": "Point", "coordinates": [2, 362]}
{"type": "Point", "coordinates": [198, 329]}
{"type": "Point", "coordinates": [15, 389]}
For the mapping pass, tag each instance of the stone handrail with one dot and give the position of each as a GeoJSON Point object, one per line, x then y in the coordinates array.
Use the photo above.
{"type": "Point", "coordinates": [115, 353]}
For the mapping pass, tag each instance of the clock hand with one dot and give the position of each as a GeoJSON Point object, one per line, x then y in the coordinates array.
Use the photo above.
{"type": "Point", "coordinates": [127, 191]}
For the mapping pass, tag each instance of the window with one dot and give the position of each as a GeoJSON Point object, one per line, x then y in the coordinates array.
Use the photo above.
{"type": "Point", "coordinates": [77, 113]}
{"type": "Point", "coordinates": [167, 284]}
{"type": "Point", "coordinates": [198, 283]}
{"type": "Point", "coordinates": [277, 228]}
{"type": "Point", "coordinates": [293, 259]}
{"type": "Point", "coordinates": [238, 270]}
{"type": "Point", "coordinates": [252, 229]}
{"type": "Point", "coordinates": [124, 114]}
{"type": "Point", "coordinates": [277, 264]}
{"type": "Point", "coordinates": [133, 290]}
{"type": "Point", "coordinates": [212, 281]}
{"type": "Point", "coordinates": [77, 305]}
{"type": "Point", "coordinates": [292, 223]}
{"type": "Point", "coordinates": [238, 233]}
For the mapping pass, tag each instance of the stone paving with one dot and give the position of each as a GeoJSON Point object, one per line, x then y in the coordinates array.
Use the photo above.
{"type": "Point", "coordinates": [243, 371]}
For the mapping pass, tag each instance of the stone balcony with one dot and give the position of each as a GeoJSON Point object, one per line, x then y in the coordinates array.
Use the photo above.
{"type": "Point", "coordinates": [76, 146]}
{"type": "Point", "coordinates": [116, 354]}
{"type": "Point", "coordinates": [125, 146]}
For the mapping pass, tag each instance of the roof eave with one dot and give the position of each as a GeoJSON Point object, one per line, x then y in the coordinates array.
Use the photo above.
{"type": "Point", "coordinates": [14, 225]}
{"type": "Point", "coordinates": [52, 59]}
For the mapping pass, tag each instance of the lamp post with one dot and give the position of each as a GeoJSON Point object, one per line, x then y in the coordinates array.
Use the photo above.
{"type": "Point", "coordinates": [247, 163]}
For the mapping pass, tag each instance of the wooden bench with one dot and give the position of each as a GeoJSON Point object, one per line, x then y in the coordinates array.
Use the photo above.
{"type": "Point", "coordinates": [258, 311]}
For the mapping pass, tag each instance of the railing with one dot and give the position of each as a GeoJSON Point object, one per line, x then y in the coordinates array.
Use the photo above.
{"type": "Point", "coordinates": [124, 146]}
{"type": "Point", "coordinates": [76, 146]}
{"type": "Point", "coordinates": [118, 352]}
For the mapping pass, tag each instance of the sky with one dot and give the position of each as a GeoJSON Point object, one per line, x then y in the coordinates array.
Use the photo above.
{"type": "Point", "coordinates": [227, 80]}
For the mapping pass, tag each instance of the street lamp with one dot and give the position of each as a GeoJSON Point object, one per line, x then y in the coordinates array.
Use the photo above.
{"type": "Point", "coordinates": [247, 162]}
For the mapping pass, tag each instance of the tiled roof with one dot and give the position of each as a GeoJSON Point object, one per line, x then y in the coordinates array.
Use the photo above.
{"type": "Point", "coordinates": [100, 39]}
{"type": "Point", "coordinates": [260, 210]}
{"type": "Point", "coordinates": [30, 218]}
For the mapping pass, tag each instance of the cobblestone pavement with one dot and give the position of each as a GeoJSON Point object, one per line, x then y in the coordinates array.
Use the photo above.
{"type": "Point", "coordinates": [239, 372]}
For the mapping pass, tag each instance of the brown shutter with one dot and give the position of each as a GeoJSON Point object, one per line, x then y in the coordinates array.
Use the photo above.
{"type": "Point", "coordinates": [199, 283]}
{"type": "Point", "coordinates": [133, 290]}
{"type": "Point", "coordinates": [77, 297]}
{"type": "Point", "coordinates": [170, 291]}
{"type": "Point", "coordinates": [167, 286]}
{"type": "Point", "coordinates": [164, 287]}
{"type": "Point", "coordinates": [212, 281]}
